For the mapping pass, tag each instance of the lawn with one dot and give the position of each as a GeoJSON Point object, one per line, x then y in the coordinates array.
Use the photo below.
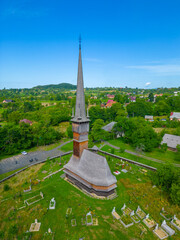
{"type": "Point", "coordinates": [68, 147]}
{"type": "Point", "coordinates": [156, 153]}
{"type": "Point", "coordinates": [62, 127]}
{"type": "Point", "coordinates": [109, 149]}
{"type": "Point", "coordinates": [4, 175]}
{"type": "Point", "coordinates": [130, 191]}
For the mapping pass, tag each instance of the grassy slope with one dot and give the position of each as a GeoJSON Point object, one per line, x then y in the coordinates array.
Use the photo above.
{"type": "Point", "coordinates": [130, 191]}
{"type": "Point", "coordinates": [67, 147]}
{"type": "Point", "coordinates": [156, 153]}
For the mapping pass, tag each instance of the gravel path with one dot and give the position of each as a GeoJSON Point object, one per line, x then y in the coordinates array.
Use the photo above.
{"type": "Point", "coordinates": [137, 154]}
{"type": "Point", "coordinates": [19, 161]}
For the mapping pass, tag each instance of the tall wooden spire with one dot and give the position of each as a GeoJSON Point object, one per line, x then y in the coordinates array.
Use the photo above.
{"type": "Point", "coordinates": [80, 112]}
{"type": "Point", "coordinates": [80, 122]}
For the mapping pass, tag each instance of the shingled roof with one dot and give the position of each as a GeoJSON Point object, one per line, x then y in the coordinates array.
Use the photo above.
{"type": "Point", "coordinates": [109, 126]}
{"type": "Point", "coordinates": [171, 140]}
{"type": "Point", "coordinates": [92, 168]}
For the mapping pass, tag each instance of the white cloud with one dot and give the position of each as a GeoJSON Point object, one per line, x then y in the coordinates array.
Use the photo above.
{"type": "Point", "coordinates": [148, 83]}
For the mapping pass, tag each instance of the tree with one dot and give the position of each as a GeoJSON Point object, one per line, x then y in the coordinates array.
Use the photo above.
{"type": "Point", "coordinates": [139, 108]}
{"type": "Point", "coordinates": [175, 193]}
{"type": "Point", "coordinates": [137, 132]}
{"type": "Point", "coordinates": [151, 97]}
{"type": "Point", "coordinates": [97, 132]}
{"type": "Point", "coordinates": [164, 147]}
{"type": "Point", "coordinates": [177, 154]}
{"type": "Point", "coordinates": [167, 177]}
{"type": "Point", "coordinates": [14, 117]}
{"type": "Point", "coordinates": [69, 131]}
{"type": "Point", "coordinates": [162, 108]}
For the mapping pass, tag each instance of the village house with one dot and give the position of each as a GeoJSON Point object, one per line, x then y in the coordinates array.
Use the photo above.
{"type": "Point", "coordinates": [110, 103]}
{"type": "Point", "coordinates": [26, 121]}
{"type": "Point", "coordinates": [132, 99]}
{"type": "Point", "coordinates": [175, 115]}
{"type": "Point", "coordinates": [7, 101]}
{"type": "Point", "coordinates": [171, 140]}
{"type": "Point", "coordinates": [110, 96]}
{"type": "Point", "coordinates": [149, 118]}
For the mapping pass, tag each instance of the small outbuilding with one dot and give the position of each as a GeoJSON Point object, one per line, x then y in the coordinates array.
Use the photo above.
{"type": "Point", "coordinates": [171, 140]}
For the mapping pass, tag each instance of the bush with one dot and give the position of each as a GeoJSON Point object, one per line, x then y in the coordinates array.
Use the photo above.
{"type": "Point", "coordinates": [13, 229]}
{"type": "Point", "coordinates": [122, 149]}
{"type": "Point", "coordinates": [1, 234]}
{"type": "Point", "coordinates": [177, 154]}
{"type": "Point", "coordinates": [175, 193]}
{"type": "Point", "coordinates": [6, 187]}
{"type": "Point", "coordinates": [112, 150]}
{"type": "Point", "coordinates": [164, 147]}
{"type": "Point", "coordinates": [167, 177]}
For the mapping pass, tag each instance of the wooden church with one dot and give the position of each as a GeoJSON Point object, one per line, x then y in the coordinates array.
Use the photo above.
{"type": "Point", "coordinates": [87, 170]}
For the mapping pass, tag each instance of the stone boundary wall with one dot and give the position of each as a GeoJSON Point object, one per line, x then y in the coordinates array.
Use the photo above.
{"type": "Point", "coordinates": [63, 154]}
{"type": "Point", "coordinates": [125, 159]}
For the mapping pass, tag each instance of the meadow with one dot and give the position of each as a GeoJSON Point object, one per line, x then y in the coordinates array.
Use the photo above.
{"type": "Point", "coordinates": [133, 188]}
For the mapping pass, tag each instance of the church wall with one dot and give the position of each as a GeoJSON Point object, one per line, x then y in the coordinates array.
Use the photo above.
{"type": "Point", "coordinates": [90, 190]}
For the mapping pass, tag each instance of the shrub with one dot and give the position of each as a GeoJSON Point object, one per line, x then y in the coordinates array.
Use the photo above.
{"type": "Point", "coordinates": [112, 150]}
{"type": "Point", "coordinates": [122, 149]}
{"type": "Point", "coordinates": [6, 187]}
{"type": "Point", "coordinates": [13, 229]}
{"type": "Point", "coordinates": [164, 147]}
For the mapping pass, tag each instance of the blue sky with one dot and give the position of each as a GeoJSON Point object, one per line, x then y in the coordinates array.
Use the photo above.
{"type": "Point", "coordinates": [134, 43]}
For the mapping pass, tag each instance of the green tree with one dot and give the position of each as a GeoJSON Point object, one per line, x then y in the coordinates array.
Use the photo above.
{"type": "Point", "coordinates": [162, 108]}
{"type": "Point", "coordinates": [139, 108]}
{"type": "Point", "coordinates": [69, 131]}
{"type": "Point", "coordinates": [151, 97]}
{"type": "Point", "coordinates": [175, 193]}
{"type": "Point", "coordinates": [97, 132]}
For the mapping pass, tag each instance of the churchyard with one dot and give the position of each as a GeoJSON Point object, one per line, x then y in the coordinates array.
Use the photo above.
{"type": "Point", "coordinates": [77, 215]}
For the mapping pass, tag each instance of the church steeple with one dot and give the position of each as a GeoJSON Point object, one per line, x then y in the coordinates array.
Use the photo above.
{"type": "Point", "coordinates": [80, 112]}
{"type": "Point", "coordinates": [80, 122]}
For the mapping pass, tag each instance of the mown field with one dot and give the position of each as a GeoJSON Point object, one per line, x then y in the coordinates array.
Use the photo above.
{"type": "Point", "coordinates": [134, 188]}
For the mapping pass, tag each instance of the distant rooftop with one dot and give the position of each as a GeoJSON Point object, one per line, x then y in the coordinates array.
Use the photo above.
{"type": "Point", "coordinates": [175, 115]}
{"type": "Point", "coordinates": [171, 140]}
{"type": "Point", "coordinates": [109, 126]}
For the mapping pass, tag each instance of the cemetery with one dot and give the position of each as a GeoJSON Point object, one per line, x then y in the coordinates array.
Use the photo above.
{"type": "Point", "coordinates": [160, 232]}
{"type": "Point", "coordinates": [70, 219]}
{"type": "Point", "coordinates": [176, 222]}
{"type": "Point", "coordinates": [52, 204]}
{"type": "Point", "coordinates": [165, 214]}
{"type": "Point", "coordinates": [35, 226]}
{"type": "Point", "coordinates": [150, 223]}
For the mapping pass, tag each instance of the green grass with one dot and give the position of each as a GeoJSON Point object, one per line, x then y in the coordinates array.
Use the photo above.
{"type": "Point", "coordinates": [67, 147]}
{"type": "Point", "coordinates": [156, 153]}
{"type": "Point", "coordinates": [129, 190]}
{"type": "Point", "coordinates": [4, 175]}
{"type": "Point", "coordinates": [107, 148]}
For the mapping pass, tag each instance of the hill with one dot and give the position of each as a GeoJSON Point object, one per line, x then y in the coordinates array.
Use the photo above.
{"type": "Point", "coordinates": [67, 86]}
